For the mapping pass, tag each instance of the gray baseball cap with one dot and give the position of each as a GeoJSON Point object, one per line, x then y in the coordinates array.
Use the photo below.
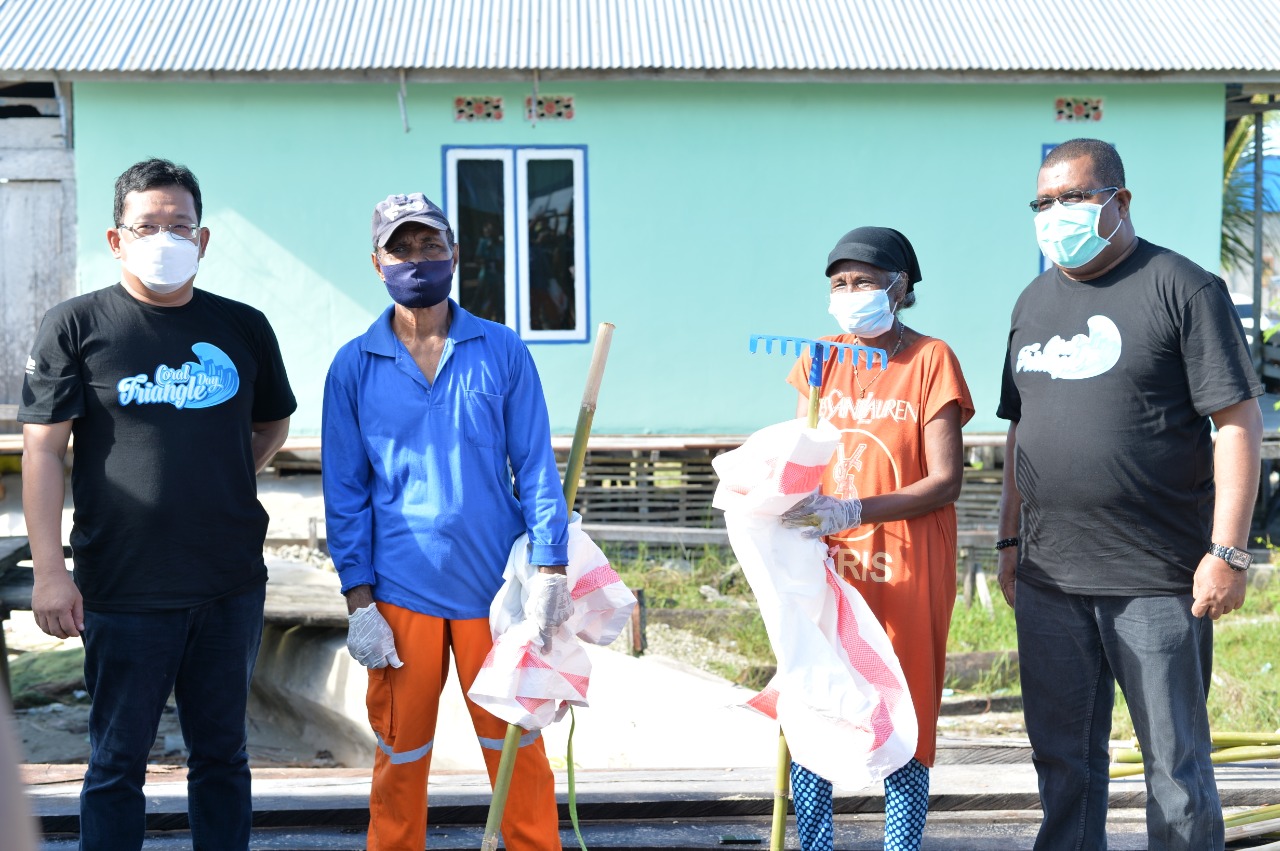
{"type": "Point", "coordinates": [395, 210]}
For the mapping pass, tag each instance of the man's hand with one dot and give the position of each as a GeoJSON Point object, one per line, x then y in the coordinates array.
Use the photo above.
{"type": "Point", "coordinates": [57, 604]}
{"type": "Point", "coordinates": [820, 515]}
{"type": "Point", "coordinates": [370, 640]}
{"type": "Point", "coordinates": [549, 603]}
{"type": "Point", "coordinates": [1006, 574]}
{"type": "Point", "coordinates": [1217, 589]}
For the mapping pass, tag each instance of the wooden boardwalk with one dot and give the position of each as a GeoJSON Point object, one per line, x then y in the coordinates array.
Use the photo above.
{"type": "Point", "coordinates": [977, 783]}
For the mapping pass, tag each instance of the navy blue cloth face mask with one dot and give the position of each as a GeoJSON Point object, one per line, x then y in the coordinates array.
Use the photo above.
{"type": "Point", "coordinates": [423, 283]}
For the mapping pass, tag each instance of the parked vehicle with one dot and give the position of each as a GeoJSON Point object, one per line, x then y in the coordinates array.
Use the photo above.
{"type": "Point", "coordinates": [1244, 307]}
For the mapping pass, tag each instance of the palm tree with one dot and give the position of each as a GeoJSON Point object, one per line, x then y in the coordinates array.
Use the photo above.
{"type": "Point", "coordinates": [1237, 191]}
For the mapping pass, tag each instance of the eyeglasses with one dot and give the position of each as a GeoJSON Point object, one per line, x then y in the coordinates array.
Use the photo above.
{"type": "Point", "coordinates": [1067, 199]}
{"type": "Point", "coordinates": [145, 230]}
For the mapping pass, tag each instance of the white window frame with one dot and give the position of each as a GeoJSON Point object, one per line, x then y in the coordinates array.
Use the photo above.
{"type": "Point", "coordinates": [574, 155]}
{"type": "Point", "coordinates": [515, 161]}
{"type": "Point", "coordinates": [503, 155]}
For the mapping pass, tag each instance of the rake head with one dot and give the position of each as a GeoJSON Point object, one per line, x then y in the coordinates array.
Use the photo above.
{"type": "Point", "coordinates": [820, 351]}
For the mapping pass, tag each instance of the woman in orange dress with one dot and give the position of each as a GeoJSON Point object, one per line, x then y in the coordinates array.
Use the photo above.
{"type": "Point", "coordinates": [886, 506]}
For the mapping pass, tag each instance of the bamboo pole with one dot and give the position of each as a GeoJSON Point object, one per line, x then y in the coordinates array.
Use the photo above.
{"type": "Point", "coordinates": [1260, 828]}
{"type": "Point", "coordinates": [818, 355]}
{"type": "Point", "coordinates": [586, 414]}
{"type": "Point", "coordinates": [1218, 757]}
{"type": "Point", "coordinates": [501, 786]}
{"type": "Point", "coordinates": [1225, 739]}
{"type": "Point", "coordinates": [781, 791]}
{"type": "Point", "coordinates": [1231, 739]}
{"type": "Point", "coordinates": [1252, 816]}
{"type": "Point", "coordinates": [782, 774]}
{"type": "Point", "coordinates": [1126, 755]}
{"type": "Point", "coordinates": [572, 472]}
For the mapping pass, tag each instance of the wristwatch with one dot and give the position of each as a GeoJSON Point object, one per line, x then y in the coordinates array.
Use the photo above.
{"type": "Point", "coordinates": [1237, 559]}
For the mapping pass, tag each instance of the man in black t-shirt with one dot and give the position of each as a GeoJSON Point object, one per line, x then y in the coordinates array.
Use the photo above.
{"type": "Point", "coordinates": [176, 398]}
{"type": "Point", "coordinates": [1123, 526]}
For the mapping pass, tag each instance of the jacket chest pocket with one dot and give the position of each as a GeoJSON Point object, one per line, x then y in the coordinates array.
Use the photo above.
{"type": "Point", "coordinates": [482, 419]}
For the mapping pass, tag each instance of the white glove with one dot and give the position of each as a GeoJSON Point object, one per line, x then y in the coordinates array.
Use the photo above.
{"type": "Point", "coordinates": [369, 638]}
{"type": "Point", "coordinates": [820, 515]}
{"type": "Point", "coordinates": [549, 603]}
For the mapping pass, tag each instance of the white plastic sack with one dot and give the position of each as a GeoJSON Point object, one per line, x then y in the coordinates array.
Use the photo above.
{"type": "Point", "coordinates": [517, 682]}
{"type": "Point", "coordinates": [839, 693]}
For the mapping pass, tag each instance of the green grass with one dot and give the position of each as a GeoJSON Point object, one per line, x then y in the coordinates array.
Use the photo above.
{"type": "Point", "coordinates": [974, 629]}
{"type": "Point", "coordinates": [672, 579]}
{"type": "Point", "coordinates": [1245, 695]}
{"type": "Point", "coordinates": [46, 677]}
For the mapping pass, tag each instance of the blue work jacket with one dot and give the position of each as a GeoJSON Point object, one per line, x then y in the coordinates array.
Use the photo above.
{"type": "Point", "coordinates": [418, 475]}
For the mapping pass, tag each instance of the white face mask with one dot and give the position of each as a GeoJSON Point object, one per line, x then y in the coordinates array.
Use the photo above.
{"type": "Point", "coordinates": [163, 262]}
{"type": "Point", "coordinates": [866, 314]}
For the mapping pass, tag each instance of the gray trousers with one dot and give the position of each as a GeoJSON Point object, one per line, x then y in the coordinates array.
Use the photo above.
{"type": "Point", "coordinates": [1072, 650]}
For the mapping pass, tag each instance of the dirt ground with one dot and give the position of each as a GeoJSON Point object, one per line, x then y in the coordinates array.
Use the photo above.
{"type": "Point", "coordinates": [59, 732]}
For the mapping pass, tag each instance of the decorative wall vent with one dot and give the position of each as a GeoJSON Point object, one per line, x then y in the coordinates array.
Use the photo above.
{"type": "Point", "coordinates": [550, 108]}
{"type": "Point", "coordinates": [1078, 109]}
{"type": "Point", "coordinates": [477, 109]}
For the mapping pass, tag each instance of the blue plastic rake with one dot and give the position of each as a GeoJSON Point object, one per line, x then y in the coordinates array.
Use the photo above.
{"type": "Point", "coordinates": [820, 351]}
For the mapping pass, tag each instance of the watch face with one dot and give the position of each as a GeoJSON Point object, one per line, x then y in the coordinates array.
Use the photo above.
{"type": "Point", "coordinates": [1239, 559]}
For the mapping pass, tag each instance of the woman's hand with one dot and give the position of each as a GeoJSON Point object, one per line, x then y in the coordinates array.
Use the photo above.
{"type": "Point", "coordinates": [820, 515]}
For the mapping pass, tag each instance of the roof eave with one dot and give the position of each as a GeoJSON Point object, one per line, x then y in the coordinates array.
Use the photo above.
{"type": "Point", "coordinates": [507, 75]}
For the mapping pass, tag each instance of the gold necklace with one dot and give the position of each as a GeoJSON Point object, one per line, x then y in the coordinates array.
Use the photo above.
{"type": "Point", "coordinates": [862, 391]}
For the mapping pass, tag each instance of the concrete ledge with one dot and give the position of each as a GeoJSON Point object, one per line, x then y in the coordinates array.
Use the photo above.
{"type": "Point", "coordinates": [309, 686]}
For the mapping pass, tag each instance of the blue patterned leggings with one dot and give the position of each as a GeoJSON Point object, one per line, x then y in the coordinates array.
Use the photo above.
{"type": "Point", "coordinates": [906, 803]}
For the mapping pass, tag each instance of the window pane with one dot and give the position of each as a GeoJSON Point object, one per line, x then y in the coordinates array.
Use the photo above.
{"type": "Point", "coordinates": [481, 224]}
{"type": "Point", "coordinates": [552, 302]}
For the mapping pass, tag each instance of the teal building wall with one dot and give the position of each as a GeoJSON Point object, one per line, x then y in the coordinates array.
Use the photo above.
{"type": "Point", "coordinates": [711, 208]}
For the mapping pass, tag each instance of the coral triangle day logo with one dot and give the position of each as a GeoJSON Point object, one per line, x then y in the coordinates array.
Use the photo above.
{"type": "Point", "coordinates": [211, 381]}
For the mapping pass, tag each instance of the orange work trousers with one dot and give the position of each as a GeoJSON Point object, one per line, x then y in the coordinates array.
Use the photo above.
{"type": "Point", "coordinates": [403, 703]}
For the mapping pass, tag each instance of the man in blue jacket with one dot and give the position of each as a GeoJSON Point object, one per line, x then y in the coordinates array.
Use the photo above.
{"type": "Point", "coordinates": [428, 416]}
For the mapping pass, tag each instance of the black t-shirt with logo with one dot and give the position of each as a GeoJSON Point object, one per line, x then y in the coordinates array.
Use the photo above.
{"type": "Point", "coordinates": [1112, 382]}
{"type": "Point", "coordinates": [162, 401]}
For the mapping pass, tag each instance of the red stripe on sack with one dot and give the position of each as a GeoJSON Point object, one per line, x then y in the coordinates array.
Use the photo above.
{"type": "Point", "coordinates": [594, 579]}
{"type": "Point", "coordinates": [531, 660]}
{"type": "Point", "coordinates": [797, 478]}
{"type": "Point", "coordinates": [766, 702]}
{"type": "Point", "coordinates": [869, 664]}
{"type": "Point", "coordinates": [578, 682]}
{"type": "Point", "coordinates": [488, 659]}
{"type": "Point", "coordinates": [532, 704]}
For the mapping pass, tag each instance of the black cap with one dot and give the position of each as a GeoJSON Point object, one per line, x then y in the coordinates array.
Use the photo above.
{"type": "Point", "coordinates": [883, 248]}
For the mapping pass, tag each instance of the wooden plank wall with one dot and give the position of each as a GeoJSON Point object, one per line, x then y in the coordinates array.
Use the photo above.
{"type": "Point", "coordinates": [37, 232]}
{"type": "Point", "coordinates": [670, 487]}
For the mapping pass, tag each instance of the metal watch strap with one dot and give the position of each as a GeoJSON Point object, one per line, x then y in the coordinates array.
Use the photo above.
{"type": "Point", "coordinates": [1236, 559]}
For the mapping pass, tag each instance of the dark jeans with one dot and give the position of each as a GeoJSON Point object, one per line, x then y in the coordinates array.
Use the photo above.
{"type": "Point", "coordinates": [1072, 650]}
{"type": "Point", "coordinates": [132, 661]}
